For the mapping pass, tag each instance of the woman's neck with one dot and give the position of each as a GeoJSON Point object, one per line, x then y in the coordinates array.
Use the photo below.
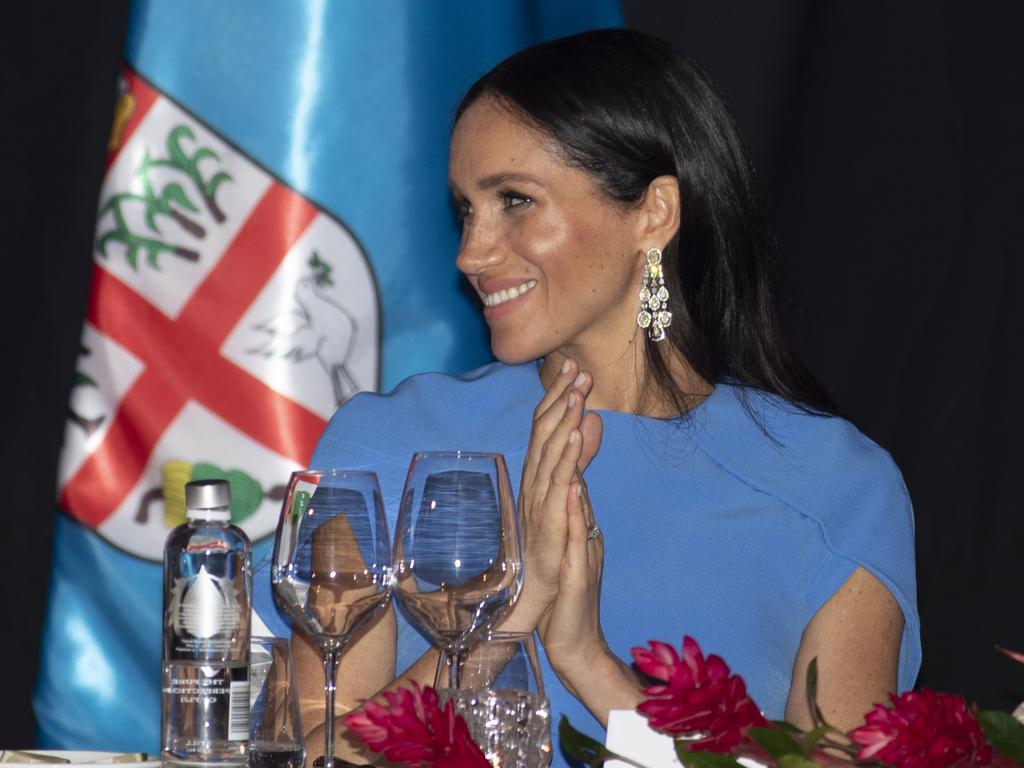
{"type": "Point", "coordinates": [622, 383]}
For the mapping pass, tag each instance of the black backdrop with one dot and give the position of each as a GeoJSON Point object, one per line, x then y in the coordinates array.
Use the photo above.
{"type": "Point", "coordinates": [888, 136]}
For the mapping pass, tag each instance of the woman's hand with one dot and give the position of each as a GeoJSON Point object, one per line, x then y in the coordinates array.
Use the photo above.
{"type": "Point", "coordinates": [571, 629]}
{"type": "Point", "coordinates": [559, 447]}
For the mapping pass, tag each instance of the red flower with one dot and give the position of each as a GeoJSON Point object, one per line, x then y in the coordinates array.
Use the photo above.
{"type": "Point", "coordinates": [412, 729]}
{"type": "Point", "coordinates": [699, 696]}
{"type": "Point", "coordinates": [923, 730]}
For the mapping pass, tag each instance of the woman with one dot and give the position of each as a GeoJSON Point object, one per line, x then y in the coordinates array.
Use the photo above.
{"type": "Point", "coordinates": [728, 504]}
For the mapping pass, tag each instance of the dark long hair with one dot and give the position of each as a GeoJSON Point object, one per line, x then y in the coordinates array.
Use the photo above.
{"type": "Point", "coordinates": [626, 107]}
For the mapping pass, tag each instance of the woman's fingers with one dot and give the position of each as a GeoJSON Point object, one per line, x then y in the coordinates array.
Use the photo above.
{"type": "Point", "coordinates": [556, 497]}
{"type": "Point", "coordinates": [550, 432]}
{"type": "Point", "coordinates": [571, 630]}
{"type": "Point", "coordinates": [584, 549]}
{"type": "Point", "coordinates": [577, 530]}
{"type": "Point", "coordinates": [550, 408]}
{"type": "Point", "coordinates": [547, 530]}
{"type": "Point", "coordinates": [553, 449]}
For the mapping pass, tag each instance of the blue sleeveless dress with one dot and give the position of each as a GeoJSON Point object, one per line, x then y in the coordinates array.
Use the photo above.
{"type": "Point", "coordinates": [729, 529]}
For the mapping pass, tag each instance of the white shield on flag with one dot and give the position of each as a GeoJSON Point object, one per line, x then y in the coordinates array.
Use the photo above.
{"type": "Point", "coordinates": [229, 317]}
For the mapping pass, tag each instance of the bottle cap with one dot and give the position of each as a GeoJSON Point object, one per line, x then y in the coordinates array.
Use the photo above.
{"type": "Point", "coordinates": [208, 498]}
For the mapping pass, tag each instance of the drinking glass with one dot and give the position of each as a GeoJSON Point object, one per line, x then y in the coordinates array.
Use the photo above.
{"type": "Point", "coordinates": [331, 566]}
{"type": "Point", "coordinates": [501, 697]}
{"type": "Point", "coordinates": [458, 558]}
{"type": "Point", "coordinates": [275, 728]}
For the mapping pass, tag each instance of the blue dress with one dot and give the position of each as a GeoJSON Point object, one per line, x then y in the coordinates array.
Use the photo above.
{"type": "Point", "coordinates": [731, 530]}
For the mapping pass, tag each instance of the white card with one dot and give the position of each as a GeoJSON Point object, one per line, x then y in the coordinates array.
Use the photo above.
{"type": "Point", "coordinates": [630, 736]}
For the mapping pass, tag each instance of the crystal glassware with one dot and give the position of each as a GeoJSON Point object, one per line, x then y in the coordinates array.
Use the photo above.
{"type": "Point", "coordinates": [500, 695]}
{"type": "Point", "coordinates": [331, 566]}
{"type": "Point", "coordinates": [275, 727]}
{"type": "Point", "coordinates": [458, 558]}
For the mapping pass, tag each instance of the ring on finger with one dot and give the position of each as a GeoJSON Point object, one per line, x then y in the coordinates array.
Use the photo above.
{"type": "Point", "coordinates": [593, 532]}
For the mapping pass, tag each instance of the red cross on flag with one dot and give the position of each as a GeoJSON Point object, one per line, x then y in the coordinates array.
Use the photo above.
{"type": "Point", "coordinates": [229, 317]}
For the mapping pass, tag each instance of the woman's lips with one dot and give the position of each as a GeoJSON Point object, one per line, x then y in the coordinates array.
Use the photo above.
{"type": "Point", "coordinates": [498, 298]}
{"type": "Point", "coordinates": [505, 300]}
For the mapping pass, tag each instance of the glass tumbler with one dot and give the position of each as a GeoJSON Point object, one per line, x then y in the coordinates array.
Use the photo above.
{"type": "Point", "coordinates": [275, 729]}
{"type": "Point", "coordinates": [500, 695]}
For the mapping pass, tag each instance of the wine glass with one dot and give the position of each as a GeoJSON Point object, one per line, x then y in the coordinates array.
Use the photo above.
{"type": "Point", "coordinates": [458, 557]}
{"type": "Point", "coordinates": [331, 566]}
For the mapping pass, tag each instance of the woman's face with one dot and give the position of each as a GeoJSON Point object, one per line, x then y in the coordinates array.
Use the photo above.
{"type": "Point", "coordinates": [556, 264]}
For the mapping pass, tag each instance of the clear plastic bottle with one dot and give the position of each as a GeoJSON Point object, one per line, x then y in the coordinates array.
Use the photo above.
{"type": "Point", "coordinates": [207, 602]}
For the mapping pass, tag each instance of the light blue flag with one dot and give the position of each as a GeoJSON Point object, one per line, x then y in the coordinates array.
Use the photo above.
{"type": "Point", "coordinates": [274, 234]}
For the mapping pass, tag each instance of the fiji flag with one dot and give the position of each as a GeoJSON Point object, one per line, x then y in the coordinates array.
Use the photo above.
{"type": "Point", "coordinates": [273, 235]}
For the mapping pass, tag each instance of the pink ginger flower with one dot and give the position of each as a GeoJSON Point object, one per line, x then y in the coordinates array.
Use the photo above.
{"type": "Point", "coordinates": [699, 696]}
{"type": "Point", "coordinates": [923, 730]}
{"type": "Point", "coordinates": [413, 730]}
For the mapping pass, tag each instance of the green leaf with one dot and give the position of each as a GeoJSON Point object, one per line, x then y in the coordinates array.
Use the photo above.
{"type": "Point", "coordinates": [796, 761]}
{"type": "Point", "coordinates": [201, 154]}
{"type": "Point", "coordinates": [812, 737]}
{"type": "Point", "coordinates": [775, 741]}
{"type": "Point", "coordinates": [84, 379]}
{"type": "Point", "coordinates": [812, 692]}
{"type": "Point", "coordinates": [789, 728]}
{"type": "Point", "coordinates": [132, 255]}
{"type": "Point", "coordinates": [175, 192]}
{"type": "Point", "coordinates": [153, 207]}
{"type": "Point", "coordinates": [210, 188]}
{"type": "Point", "coordinates": [178, 155]}
{"type": "Point", "coordinates": [583, 748]}
{"type": "Point", "coordinates": [1004, 731]}
{"type": "Point", "coordinates": [697, 759]}
{"type": "Point", "coordinates": [113, 235]}
{"type": "Point", "coordinates": [153, 249]}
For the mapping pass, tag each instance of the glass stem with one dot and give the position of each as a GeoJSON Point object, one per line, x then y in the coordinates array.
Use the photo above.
{"type": "Point", "coordinates": [455, 659]}
{"type": "Point", "coordinates": [331, 655]}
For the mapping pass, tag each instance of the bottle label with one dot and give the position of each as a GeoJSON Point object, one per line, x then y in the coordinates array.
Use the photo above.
{"type": "Point", "coordinates": [238, 711]}
{"type": "Point", "coordinates": [201, 608]}
{"type": "Point", "coordinates": [206, 704]}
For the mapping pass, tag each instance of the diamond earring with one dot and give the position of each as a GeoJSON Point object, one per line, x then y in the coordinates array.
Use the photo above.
{"type": "Point", "coordinates": [654, 314]}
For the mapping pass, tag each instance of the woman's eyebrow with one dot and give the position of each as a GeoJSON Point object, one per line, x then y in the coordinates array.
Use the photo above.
{"type": "Point", "coordinates": [497, 179]}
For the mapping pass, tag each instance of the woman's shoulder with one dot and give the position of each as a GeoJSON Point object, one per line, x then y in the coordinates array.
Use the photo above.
{"type": "Point", "coordinates": [432, 394]}
{"type": "Point", "coordinates": [479, 410]}
{"type": "Point", "coordinates": [819, 464]}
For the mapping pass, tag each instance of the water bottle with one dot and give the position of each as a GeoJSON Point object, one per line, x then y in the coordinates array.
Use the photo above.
{"type": "Point", "coordinates": [207, 594]}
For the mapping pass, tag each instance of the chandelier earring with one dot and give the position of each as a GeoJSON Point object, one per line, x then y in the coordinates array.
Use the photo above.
{"type": "Point", "coordinates": [654, 315]}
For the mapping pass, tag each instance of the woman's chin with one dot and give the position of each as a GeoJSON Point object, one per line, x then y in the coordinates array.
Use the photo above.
{"type": "Point", "coordinates": [513, 354]}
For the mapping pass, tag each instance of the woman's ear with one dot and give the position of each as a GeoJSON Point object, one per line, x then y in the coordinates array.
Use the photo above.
{"type": "Point", "coordinates": [659, 209]}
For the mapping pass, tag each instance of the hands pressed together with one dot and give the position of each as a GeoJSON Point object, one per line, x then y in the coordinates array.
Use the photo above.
{"type": "Point", "coordinates": [563, 562]}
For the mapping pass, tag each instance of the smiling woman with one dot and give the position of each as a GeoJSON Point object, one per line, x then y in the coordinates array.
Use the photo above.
{"type": "Point", "coordinates": [554, 262]}
{"type": "Point", "coordinates": [687, 480]}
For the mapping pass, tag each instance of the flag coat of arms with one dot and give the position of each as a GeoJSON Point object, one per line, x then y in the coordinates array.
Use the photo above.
{"type": "Point", "coordinates": [223, 305]}
{"type": "Point", "coordinates": [273, 235]}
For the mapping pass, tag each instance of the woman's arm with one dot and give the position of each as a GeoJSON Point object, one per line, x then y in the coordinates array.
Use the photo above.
{"type": "Point", "coordinates": [856, 638]}
{"type": "Point", "coordinates": [366, 666]}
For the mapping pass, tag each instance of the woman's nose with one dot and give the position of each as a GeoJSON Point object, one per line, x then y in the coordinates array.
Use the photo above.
{"type": "Point", "coordinates": [478, 251]}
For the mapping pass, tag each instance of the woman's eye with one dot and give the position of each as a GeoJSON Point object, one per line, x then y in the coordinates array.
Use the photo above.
{"type": "Point", "coordinates": [463, 210]}
{"type": "Point", "coordinates": [513, 199]}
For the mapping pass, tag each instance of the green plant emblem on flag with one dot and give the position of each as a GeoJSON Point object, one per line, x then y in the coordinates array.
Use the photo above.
{"type": "Point", "coordinates": [170, 201]}
{"type": "Point", "coordinates": [246, 492]}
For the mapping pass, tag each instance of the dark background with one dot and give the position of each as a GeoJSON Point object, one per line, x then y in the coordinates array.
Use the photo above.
{"type": "Point", "coordinates": [888, 137]}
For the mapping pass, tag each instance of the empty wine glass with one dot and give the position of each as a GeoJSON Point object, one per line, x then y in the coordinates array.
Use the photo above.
{"type": "Point", "coordinates": [458, 558]}
{"type": "Point", "coordinates": [331, 567]}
